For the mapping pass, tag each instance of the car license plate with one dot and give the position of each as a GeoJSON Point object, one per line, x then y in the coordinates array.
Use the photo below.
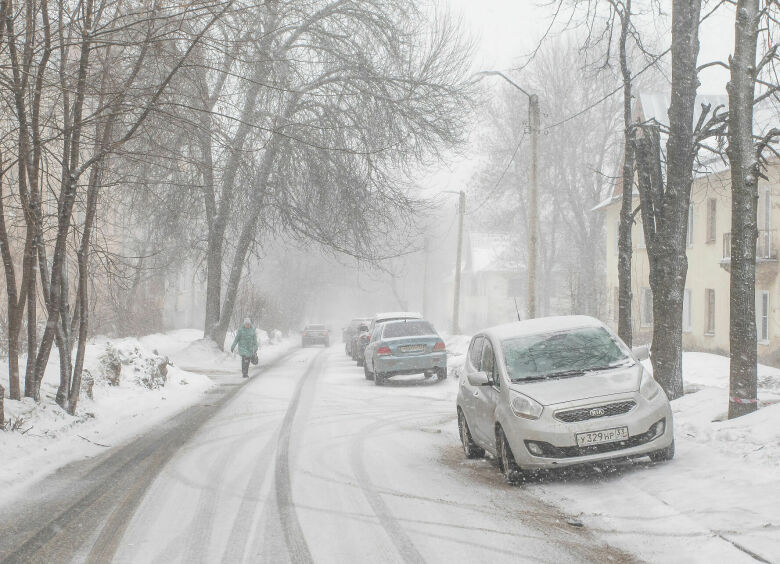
{"type": "Point", "coordinates": [413, 348]}
{"type": "Point", "coordinates": [600, 437]}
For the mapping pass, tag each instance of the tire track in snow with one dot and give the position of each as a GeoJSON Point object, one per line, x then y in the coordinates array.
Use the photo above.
{"type": "Point", "coordinates": [297, 547]}
{"type": "Point", "coordinates": [406, 548]}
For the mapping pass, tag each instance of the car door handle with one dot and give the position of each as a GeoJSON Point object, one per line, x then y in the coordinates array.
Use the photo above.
{"type": "Point", "coordinates": [476, 393]}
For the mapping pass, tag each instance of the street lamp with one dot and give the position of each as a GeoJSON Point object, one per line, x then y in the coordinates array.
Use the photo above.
{"type": "Point", "coordinates": [456, 290]}
{"type": "Point", "coordinates": [533, 219]}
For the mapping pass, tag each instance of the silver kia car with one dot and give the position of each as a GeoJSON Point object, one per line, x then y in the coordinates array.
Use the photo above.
{"type": "Point", "coordinates": [558, 391]}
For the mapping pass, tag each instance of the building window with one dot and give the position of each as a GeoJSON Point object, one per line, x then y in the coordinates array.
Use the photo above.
{"type": "Point", "coordinates": [690, 225]}
{"type": "Point", "coordinates": [687, 316]}
{"type": "Point", "coordinates": [646, 308]}
{"type": "Point", "coordinates": [709, 318]}
{"type": "Point", "coordinates": [762, 316]}
{"type": "Point", "coordinates": [712, 210]}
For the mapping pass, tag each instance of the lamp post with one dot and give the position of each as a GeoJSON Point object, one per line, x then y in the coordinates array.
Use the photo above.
{"type": "Point", "coordinates": [533, 189]}
{"type": "Point", "coordinates": [458, 261]}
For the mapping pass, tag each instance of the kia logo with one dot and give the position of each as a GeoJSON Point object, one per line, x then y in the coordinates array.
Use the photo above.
{"type": "Point", "coordinates": [597, 412]}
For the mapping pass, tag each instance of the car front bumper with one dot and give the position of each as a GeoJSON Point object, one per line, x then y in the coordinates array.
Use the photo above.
{"type": "Point", "coordinates": [558, 443]}
{"type": "Point", "coordinates": [410, 364]}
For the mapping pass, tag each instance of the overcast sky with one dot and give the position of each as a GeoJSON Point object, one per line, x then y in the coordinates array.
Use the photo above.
{"type": "Point", "coordinates": [506, 31]}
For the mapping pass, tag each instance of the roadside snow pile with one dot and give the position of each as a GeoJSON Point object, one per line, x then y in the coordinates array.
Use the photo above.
{"type": "Point", "coordinates": [127, 388]}
{"type": "Point", "coordinates": [717, 501]}
{"type": "Point", "coordinates": [457, 347]}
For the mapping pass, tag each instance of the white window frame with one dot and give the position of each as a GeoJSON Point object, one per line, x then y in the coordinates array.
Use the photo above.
{"type": "Point", "coordinates": [763, 308]}
{"type": "Point", "coordinates": [712, 220]}
{"type": "Point", "coordinates": [709, 311]}
{"type": "Point", "coordinates": [687, 319]}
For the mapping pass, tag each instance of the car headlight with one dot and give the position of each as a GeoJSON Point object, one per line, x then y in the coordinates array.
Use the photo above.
{"type": "Point", "coordinates": [648, 387]}
{"type": "Point", "coordinates": [525, 407]}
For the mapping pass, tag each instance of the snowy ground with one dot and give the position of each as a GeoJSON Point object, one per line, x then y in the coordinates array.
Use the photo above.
{"type": "Point", "coordinates": [311, 462]}
{"type": "Point", "coordinates": [47, 438]}
{"type": "Point", "coordinates": [717, 501]}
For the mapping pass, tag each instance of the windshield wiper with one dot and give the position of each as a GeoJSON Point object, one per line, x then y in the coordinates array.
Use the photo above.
{"type": "Point", "coordinates": [562, 374]}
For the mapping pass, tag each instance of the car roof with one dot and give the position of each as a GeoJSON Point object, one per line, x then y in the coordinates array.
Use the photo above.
{"type": "Point", "coordinates": [541, 325]}
{"type": "Point", "coordinates": [398, 315]}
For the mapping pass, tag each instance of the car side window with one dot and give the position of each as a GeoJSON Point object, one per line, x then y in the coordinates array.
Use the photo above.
{"type": "Point", "coordinates": [375, 333]}
{"type": "Point", "coordinates": [475, 353]}
{"type": "Point", "coordinates": [489, 363]}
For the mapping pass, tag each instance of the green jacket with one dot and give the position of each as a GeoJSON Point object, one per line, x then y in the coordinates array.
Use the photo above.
{"type": "Point", "coordinates": [246, 339]}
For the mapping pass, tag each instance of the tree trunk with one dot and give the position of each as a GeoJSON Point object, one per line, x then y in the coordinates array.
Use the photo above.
{"type": "Point", "coordinates": [625, 298]}
{"type": "Point", "coordinates": [668, 290]}
{"type": "Point", "coordinates": [744, 225]}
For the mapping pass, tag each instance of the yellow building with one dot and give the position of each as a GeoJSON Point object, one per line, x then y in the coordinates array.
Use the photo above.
{"type": "Point", "coordinates": [706, 300]}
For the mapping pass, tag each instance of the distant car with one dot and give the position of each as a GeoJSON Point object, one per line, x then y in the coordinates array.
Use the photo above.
{"type": "Point", "coordinates": [359, 341]}
{"type": "Point", "coordinates": [315, 335]}
{"type": "Point", "coordinates": [380, 318]}
{"type": "Point", "coordinates": [350, 331]}
{"type": "Point", "coordinates": [411, 346]}
{"type": "Point", "coordinates": [554, 392]}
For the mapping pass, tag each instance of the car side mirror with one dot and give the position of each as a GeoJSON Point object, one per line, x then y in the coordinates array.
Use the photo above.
{"type": "Point", "coordinates": [478, 378]}
{"type": "Point", "coordinates": [641, 353]}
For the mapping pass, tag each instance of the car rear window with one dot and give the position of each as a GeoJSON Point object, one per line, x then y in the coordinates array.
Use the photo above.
{"type": "Point", "coordinates": [316, 327]}
{"type": "Point", "coordinates": [408, 329]}
{"type": "Point", "coordinates": [562, 352]}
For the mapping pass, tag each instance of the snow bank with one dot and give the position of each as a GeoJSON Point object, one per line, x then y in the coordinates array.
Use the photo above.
{"type": "Point", "coordinates": [148, 391]}
{"type": "Point", "coordinates": [717, 501]}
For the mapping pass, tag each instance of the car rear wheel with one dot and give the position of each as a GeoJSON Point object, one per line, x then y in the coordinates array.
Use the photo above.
{"type": "Point", "coordinates": [506, 460]}
{"type": "Point", "coordinates": [379, 379]}
{"type": "Point", "coordinates": [367, 374]}
{"type": "Point", "coordinates": [361, 362]}
{"type": "Point", "coordinates": [441, 373]}
{"type": "Point", "coordinates": [470, 448]}
{"type": "Point", "coordinates": [664, 454]}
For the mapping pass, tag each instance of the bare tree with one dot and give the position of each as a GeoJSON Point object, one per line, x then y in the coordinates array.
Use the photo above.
{"type": "Point", "coordinates": [665, 203]}
{"type": "Point", "coordinates": [745, 158]}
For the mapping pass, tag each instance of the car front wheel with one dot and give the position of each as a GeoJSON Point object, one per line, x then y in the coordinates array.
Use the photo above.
{"type": "Point", "coordinates": [470, 448]}
{"type": "Point", "coordinates": [506, 460]}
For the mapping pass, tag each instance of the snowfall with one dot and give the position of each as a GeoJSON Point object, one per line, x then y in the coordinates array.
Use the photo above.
{"type": "Point", "coordinates": [717, 501]}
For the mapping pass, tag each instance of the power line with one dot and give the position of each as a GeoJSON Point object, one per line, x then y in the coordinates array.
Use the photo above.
{"type": "Point", "coordinates": [491, 192]}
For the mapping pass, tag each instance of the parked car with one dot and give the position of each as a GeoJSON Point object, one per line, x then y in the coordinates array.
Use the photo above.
{"type": "Point", "coordinates": [559, 391]}
{"type": "Point", "coordinates": [315, 334]}
{"type": "Point", "coordinates": [350, 331]}
{"type": "Point", "coordinates": [357, 347]}
{"type": "Point", "coordinates": [379, 318]}
{"type": "Point", "coordinates": [411, 346]}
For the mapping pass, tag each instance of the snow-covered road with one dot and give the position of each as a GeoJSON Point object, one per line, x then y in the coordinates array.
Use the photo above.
{"type": "Point", "coordinates": [306, 462]}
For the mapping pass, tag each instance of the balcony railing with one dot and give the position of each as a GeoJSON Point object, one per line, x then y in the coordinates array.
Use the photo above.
{"type": "Point", "coordinates": [764, 247]}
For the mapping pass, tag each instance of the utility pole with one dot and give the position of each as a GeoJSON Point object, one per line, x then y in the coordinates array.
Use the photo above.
{"type": "Point", "coordinates": [533, 216]}
{"type": "Point", "coordinates": [533, 188]}
{"type": "Point", "coordinates": [456, 292]}
{"type": "Point", "coordinates": [425, 279]}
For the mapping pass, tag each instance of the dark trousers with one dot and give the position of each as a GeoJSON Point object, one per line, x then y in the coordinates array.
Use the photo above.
{"type": "Point", "coordinates": [245, 365]}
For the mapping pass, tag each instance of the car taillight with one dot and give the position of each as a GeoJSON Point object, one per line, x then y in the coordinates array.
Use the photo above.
{"type": "Point", "coordinates": [439, 346]}
{"type": "Point", "coordinates": [304, 333]}
{"type": "Point", "coordinates": [383, 350]}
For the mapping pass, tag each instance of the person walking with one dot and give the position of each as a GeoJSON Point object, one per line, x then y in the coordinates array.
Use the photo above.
{"type": "Point", "coordinates": [246, 339]}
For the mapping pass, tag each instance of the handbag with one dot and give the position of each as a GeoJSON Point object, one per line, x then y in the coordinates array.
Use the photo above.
{"type": "Point", "coordinates": [254, 359]}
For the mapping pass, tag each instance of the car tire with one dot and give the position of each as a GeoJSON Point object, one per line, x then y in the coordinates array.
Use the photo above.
{"type": "Point", "coordinates": [379, 379]}
{"type": "Point", "coordinates": [327, 343]}
{"type": "Point", "coordinates": [663, 454]}
{"type": "Point", "coordinates": [361, 362]}
{"type": "Point", "coordinates": [506, 460]}
{"type": "Point", "coordinates": [441, 373]}
{"type": "Point", "coordinates": [366, 373]}
{"type": "Point", "coordinates": [470, 448]}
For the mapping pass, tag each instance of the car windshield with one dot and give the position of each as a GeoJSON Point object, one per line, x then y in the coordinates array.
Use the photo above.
{"type": "Point", "coordinates": [408, 329]}
{"type": "Point", "coordinates": [570, 352]}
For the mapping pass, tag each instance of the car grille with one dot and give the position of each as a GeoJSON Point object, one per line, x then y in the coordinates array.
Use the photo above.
{"type": "Point", "coordinates": [551, 451]}
{"type": "Point", "coordinates": [595, 412]}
